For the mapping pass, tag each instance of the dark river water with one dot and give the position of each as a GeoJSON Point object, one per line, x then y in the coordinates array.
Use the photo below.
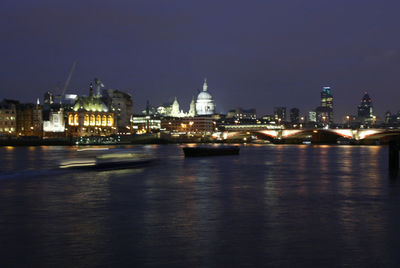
{"type": "Point", "coordinates": [271, 206]}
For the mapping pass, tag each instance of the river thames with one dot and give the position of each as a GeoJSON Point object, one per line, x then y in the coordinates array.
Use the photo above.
{"type": "Point", "coordinates": [270, 206]}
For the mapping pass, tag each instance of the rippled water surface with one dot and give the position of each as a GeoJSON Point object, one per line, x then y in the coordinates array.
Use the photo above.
{"type": "Point", "coordinates": [273, 205]}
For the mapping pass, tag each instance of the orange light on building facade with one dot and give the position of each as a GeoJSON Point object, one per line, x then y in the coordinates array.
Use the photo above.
{"type": "Point", "coordinates": [98, 120]}
{"type": "Point", "coordinates": [70, 120]}
{"type": "Point", "coordinates": [86, 120]}
{"type": "Point", "coordinates": [92, 120]}
{"type": "Point", "coordinates": [76, 120]}
{"type": "Point", "coordinates": [110, 121]}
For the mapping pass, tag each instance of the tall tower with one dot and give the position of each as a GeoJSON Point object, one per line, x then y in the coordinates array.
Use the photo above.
{"type": "Point", "coordinates": [365, 111]}
{"type": "Point", "coordinates": [175, 108]}
{"type": "Point", "coordinates": [192, 109]}
{"type": "Point", "coordinates": [325, 111]}
{"type": "Point", "coordinates": [326, 98]}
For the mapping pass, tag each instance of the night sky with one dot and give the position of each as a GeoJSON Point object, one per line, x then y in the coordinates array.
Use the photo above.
{"type": "Point", "coordinates": [254, 53]}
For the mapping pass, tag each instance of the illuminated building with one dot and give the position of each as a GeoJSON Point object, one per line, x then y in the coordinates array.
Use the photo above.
{"type": "Point", "coordinates": [242, 114]}
{"type": "Point", "coordinates": [90, 116]}
{"type": "Point", "coordinates": [198, 124]}
{"type": "Point", "coordinates": [325, 111]}
{"type": "Point", "coordinates": [53, 121]}
{"type": "Point", "coordinates": [280, 113]}
{"type": "Point", "coordinates": [145, 124]}
{"type": "Point", "coordinates": [29, 120]}
{"type": "Point", "coordinates": [268, 118]}
{"type": "Point", "coordinates": [205, 104]}
{"type": "Point", "coordinates": [8, 122]}
{"type": "Point", "coordinates": [312, 116]}
{"type": "Point", "coordinates": [167, 109]}
{"type": "Point", "coordinates": [326, 97]}
{"type": "Point", "coordinates": [192, 109]}
{"type": "Point", "coordinates": [365, 110]}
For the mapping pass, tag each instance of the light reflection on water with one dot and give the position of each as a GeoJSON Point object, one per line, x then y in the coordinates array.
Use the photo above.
{"type": "Point", "coordinates": [273, 205]}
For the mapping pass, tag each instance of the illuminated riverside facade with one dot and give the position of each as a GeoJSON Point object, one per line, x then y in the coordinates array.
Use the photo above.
{"type": "Point", "coordinates": [90, 123]}
{"type": "Point", "coordinates": [8, 123]}
{"type": "Point", "coordinates": [199, 124]}
{"type": "Point", "coordinates": [90, 117]}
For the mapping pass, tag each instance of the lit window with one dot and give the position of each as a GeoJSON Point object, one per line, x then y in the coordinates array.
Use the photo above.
{"type": "Point", "coordinates": [110, 121]}
{"type": "Point", "coordinates": [76, 120]}
{"type": "Point", "coordinates": [70, 120]}
{"type": "Point", "coordinates": [86, 120]}
{"type": "Point", "coordinates": [92, 120]}
{"type": "Point", "coordinates": [104, 120]}
{"type": "Point", "coordinates": [98, 120]}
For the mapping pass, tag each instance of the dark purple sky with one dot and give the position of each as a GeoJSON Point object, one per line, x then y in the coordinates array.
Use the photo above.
{"type": "Point", "coordinates": [256, 53]}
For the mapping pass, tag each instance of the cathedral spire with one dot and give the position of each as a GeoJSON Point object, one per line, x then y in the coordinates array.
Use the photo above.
{"type": "Point", "coordinates": [91, 89]}
{"type": "Point", "coordinates": [205, 85]}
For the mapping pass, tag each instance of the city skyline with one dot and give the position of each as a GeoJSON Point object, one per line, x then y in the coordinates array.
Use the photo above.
{"type": "Point", "coordinates": [258, 55]}
{"type": "Point", "coordinates": [304, 113]}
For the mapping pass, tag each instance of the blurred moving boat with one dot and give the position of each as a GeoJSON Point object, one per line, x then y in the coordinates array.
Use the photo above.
{"type": "Point", "coordinates": [210, 151]}
{"type": "Point", "coordinates": [108, 161]}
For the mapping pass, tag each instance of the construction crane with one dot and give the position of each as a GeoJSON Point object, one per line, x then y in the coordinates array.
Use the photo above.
{"type": "Point", "coordinates": [67, 81]}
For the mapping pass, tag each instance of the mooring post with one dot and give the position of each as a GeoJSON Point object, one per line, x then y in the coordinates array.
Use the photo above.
{"type": "Point", "coordinates": [393, 157]}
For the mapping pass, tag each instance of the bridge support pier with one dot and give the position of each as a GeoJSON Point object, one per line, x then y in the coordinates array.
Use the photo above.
{"type": "Point", "coordinates": [394, 157]}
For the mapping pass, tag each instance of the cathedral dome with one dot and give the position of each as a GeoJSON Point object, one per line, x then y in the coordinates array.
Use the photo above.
{"type": "Point", "coordinates": [204, 95]}
{"type": "Point", "coordinates": [205, 103]}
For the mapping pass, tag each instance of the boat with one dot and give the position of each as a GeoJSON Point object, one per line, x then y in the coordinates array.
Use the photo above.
{"type": "Point", "coordinates": [210, 151]}
{"type": "Point", "coordinates": [109, 161]}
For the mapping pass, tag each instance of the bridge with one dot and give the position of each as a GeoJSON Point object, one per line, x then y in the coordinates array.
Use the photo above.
{"type": "Point", "coordinates": [278, 134]}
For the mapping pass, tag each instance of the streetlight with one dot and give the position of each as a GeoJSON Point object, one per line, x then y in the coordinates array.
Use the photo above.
{"type": "Point", "coordinates": [348, 121]}
{"type": "Point", "coordinates": [191, 124]}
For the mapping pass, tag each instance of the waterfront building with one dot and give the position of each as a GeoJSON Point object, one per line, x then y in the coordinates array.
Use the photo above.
{"type": "Point", "coordinates": [145, 124]}
{"type": "Point", "coordinates": [205, 104]}
{"type": "Point", "coordinates": [90, 116]}
{"type": "Point", "coordinates": [268, 118]}
{"type": "Point", "coordinates": [198, 124]}
{"type": "Point", "coordinates": [54, 113]}
{"type": "Point", "coordinates": [294, 115]}
{"type": "Point", "coordinates": [54, 121]}
{"type": "Point", "coordinates": [280, 114]}
{"type": "Point", "coordinates": [8, 114]}
{"type": "Point", "coordinates": [120, 103]}
{"type": "Point", "coordinates": [242, 115]}
{"type": "Point", "coordinates": [365, 113]}
{"type": "Point", "coordinates": [29, 120]}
